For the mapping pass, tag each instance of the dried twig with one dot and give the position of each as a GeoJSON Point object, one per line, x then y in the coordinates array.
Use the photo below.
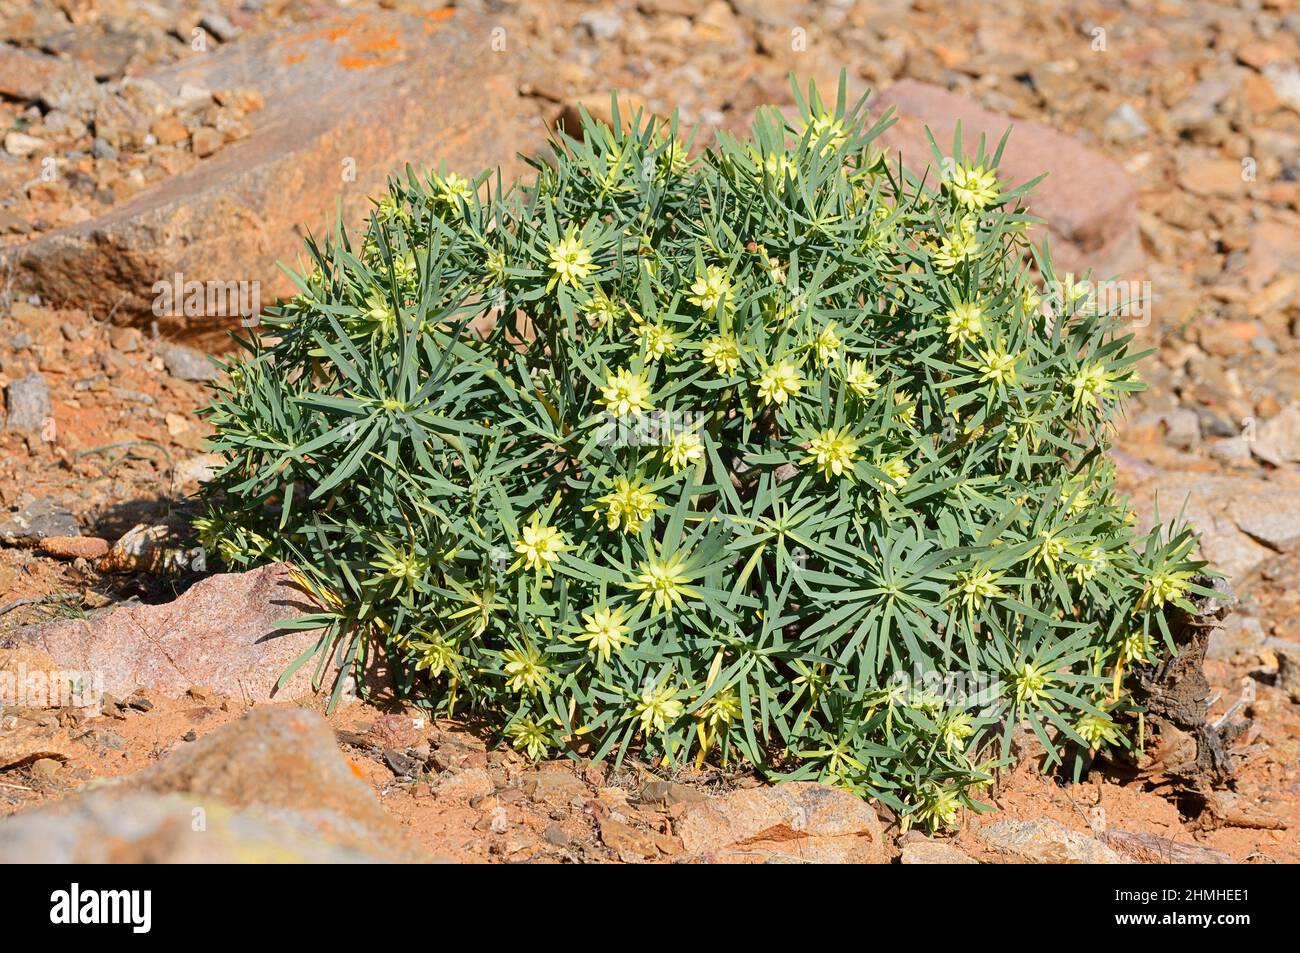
{"type": "Point", "coordinates": [38, 600]}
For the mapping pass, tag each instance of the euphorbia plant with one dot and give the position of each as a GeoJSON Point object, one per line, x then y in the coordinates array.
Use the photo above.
{"type": "Point", "coordinates": [711, 456]}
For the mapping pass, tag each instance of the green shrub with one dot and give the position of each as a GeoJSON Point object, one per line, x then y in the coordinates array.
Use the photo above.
{"type": "Point", "coordinates": [729, 457]}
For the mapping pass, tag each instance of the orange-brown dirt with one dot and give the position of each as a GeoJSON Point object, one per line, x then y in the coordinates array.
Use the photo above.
{"type": "Point", "coordinates": [559, 820]}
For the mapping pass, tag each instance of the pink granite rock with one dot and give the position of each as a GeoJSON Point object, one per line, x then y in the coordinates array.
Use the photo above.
{"type": "Point", "coordinates": [221, 634]}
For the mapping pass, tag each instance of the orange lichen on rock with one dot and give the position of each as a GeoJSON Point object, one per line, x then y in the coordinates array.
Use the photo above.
{"type": "Point", "coordinates": [434, 17]}
{"type": "Point", "coordinates": [364, 62]}
{"type": "Point", "coordinates": [367, 41]}
{"type": "Point", "coordinates": [366, 50]}
{"type": "Point", "coordinates": [380, 42]}
{"type": "Point", "coordinates": [337, 29]}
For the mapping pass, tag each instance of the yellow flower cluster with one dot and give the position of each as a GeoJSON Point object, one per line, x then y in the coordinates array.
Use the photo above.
{"type": "Point", "coordinates": [629, 506]}
{"type": "Point", "coordinates": [539, 546]}
{"type": "Point", "coordinates": [833, 451]}
{"type": "Point", "coordinates": [779, 382]}
{"type": "Point", "coordinates": [605, 631]}
{"type": "Point", "coordinates": [974, 186]}
{"type": "Point", "coordinates": [571, 260]}
{"type": "Point", "coordinates": [711, 289]}
{"type": "Point", "coordinates": [965, 321]}
{"type": "Point", "coordinates": [625, 393]}
{"type": "Point", "coordinates": [683, 449]}
{"type": "Point", "coordinates": [723, 353]}
{"type": "Point", "coordinates": [958, 246]}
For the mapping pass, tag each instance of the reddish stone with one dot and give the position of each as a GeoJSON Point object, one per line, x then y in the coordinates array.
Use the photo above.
{"type": "Point", "coordinates": [74, 547]}
{"type": "Point", "coordinates": [36, 77]}
{"type": "Point", "coordinates": [1213, 177]}
{"type": "Point", "coordinates": [1242, 330]}
{"type": "Point", "coordinates": [221, 633]}
{"type": "Point", "coordinates": [626, 841]}
{"type": "Point", "coordinates": [796, 821]}
{"type": "Point", "coordinates": [169, 130]}
{"type": "Point", "coordinates": [1259, 94]}
{"type": "Point", "coordinates": [1274, 249]}
{"type": "Point", "coordinates": [28, 743]}
{"type": "Point", "coordinates": [269, 788]}
{"type": "Point", "coordinates": [206, 141]}
{"type": "Point", "coordinates": [282, 764]}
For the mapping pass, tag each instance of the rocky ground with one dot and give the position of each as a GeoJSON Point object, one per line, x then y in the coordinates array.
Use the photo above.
{"type": "Point", "coordinates": [144, 139]}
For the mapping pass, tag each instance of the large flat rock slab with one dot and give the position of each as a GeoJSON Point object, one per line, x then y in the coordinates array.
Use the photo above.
{"type": "Point", "coordinates": [1088, 201]}
{"type": "Point", "coordinates": [1243, 520]}
{"type": "Point", "coordinates": [348, 101]}
{"type": "Point", "coordinates": [221, 634]}
{"type": "Point", "coordinates": [795, 822]}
